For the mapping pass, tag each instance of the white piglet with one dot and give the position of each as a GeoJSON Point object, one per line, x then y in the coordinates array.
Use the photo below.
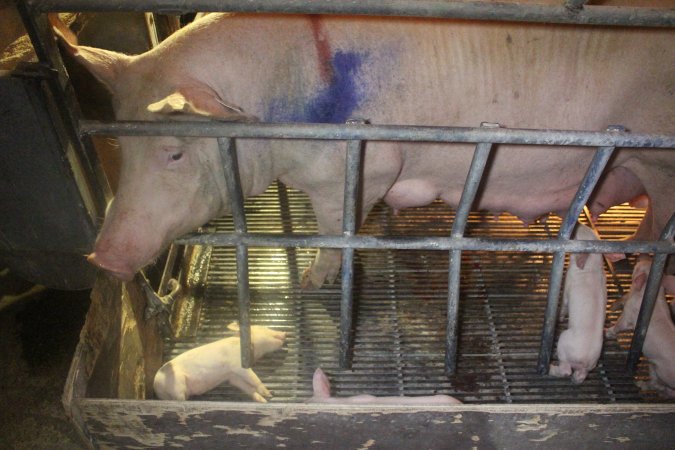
{"type": "Point", "coordinates": [321, 387]}
{"type": "Point", "coordinates": [203, 368]}
{"type": "Point", "coordinates": [585, 298]}
{"type": "Point", "coordinates": [659, 345]}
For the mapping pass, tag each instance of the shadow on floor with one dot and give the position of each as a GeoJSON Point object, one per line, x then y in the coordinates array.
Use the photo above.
{"type": "Point", "coordinates": [39, 329]}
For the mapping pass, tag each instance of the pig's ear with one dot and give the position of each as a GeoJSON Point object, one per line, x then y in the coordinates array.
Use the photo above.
{"type": "Point", "coordinates": [201, 101]}
{"type": "Point", "coordinates": [234, 326]}
{"type": "Point", "coordinates": [105, 65]}
{"type": "Point", "coordinates": [320, 384]}
{"type": "Point", "coordinates": [640, 280]}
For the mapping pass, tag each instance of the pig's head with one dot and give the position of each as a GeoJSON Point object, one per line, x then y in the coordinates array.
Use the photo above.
{"type": "Point", "coordinates": [168, 185]}
{"type": "Point", "coordinates": [264, 340]}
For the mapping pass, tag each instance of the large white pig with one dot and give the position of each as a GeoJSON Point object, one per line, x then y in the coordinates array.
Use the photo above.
{"type": "Point", "coordinates": [321, 394]}
{"type": "Point", "coordinates": [203, 368]}
{"type": "Point", "coordinates": [327, 69]}
{"type": "Point", "coordinates": [659, 345]}
{"type": "Point", "coordinates": [585, 300]}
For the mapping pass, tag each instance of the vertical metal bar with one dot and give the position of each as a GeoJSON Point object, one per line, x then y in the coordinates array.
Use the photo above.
{"type": "Point", "coordinates": [589, 181]}
{"type": "Point", "coordinates": [473, 179]}
{"type": "Point", "coordinates": [38, 29]}
{"type": "Point", "coordinates": [649, 300]}
{"type": "Point", "coordinates": [350, 213]}
{"type": "Point", "coordinates": [228, 153]}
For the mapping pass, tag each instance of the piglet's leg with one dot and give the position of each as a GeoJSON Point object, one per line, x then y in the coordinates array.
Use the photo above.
{"type": "Point", "coordinates": [561, 369]}
{"type": "Point", "coordinates": [579, 376]}
{"type": "Point", "coordinates": [248, 382]}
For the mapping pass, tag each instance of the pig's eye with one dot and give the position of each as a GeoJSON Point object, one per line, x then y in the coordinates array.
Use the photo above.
{"type": "Point", "coordinates": [176, 156]}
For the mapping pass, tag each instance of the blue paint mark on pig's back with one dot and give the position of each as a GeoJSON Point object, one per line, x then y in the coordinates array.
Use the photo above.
{"type": "Point", "coordinates": [333, 103]}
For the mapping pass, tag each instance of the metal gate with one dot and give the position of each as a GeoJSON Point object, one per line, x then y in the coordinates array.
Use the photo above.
{"type": "Point", "coordinates": [356, 132]}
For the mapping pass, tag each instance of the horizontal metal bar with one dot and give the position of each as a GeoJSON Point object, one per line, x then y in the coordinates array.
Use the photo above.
{"type": "Point", "coordinates": [377, 133]}
{"type": "Point", "coordinates": [425, 243]}
{"type": "Point", "coordinates": [589, 15]}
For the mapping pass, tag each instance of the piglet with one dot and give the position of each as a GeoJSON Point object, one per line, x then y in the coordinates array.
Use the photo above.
{"type": "Point", "coordinates": [203, 368]}
{"type": "Point", "coordinates": [585, 298]}
{"type": "Point", "coordinates": [659, 345]}
{"type": "Point", "coordinates": [321, 387]}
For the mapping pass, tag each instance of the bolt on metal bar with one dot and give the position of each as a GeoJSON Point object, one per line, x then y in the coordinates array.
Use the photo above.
{"type": "Point", "coordinates": [473, 179]}
{"type": "Point", "coordinates": [575, 5]}
{"type": "Point", "coordinates": [589, 181]}
{"type": "Point", "coordinates": [649, 300]}
{"type": "Point", "coordinates": [350, 213]}
{"type": "Point", "coordinates": [228, 153]}
{"type": "Point", "coordinates": [343, 132]}
{"type": "Point", "coordinates": [476, 10]}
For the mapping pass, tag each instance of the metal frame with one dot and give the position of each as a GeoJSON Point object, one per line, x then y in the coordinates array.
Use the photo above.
{"type": "Point", "coordinates": [355, 132]}
{"type": "Point", "coordinates": [569, 11]}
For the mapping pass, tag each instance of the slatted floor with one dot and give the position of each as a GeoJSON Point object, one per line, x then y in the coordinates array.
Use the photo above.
{"type": "Point", "coordinates": [400, 311]}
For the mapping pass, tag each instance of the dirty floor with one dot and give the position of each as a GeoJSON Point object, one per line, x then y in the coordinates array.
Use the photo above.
{"type": "Point", "coordinates": [39, 329]}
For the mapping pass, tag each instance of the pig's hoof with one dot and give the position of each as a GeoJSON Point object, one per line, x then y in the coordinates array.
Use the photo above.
{"type": "Point", "coordinates": [262, 390]}
{"type": "Point", "coordinates": [309, 281]}
{"type": "Point", "coordinates": [259, 398]}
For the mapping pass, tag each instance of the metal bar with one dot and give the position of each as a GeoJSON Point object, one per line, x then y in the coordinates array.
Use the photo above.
{"type": "Point", "coordinates": [66, 106]}
{"type": "Point", "coordinates": [421, 243]}
{"type": "Point", "coordinates": [467, 199]}
{"type": "Point", "coordinates": [350, 217]}
{"type": "Point", "coordinates": [377, 132]}
{"type": "Point", "coordinates": [168, 269]}
{"type": "Point", "coordinates": [649, 300]}
{"type": "Point", "coordinates": [589, 15]}
{"type": "Point", "coordinates": [228, 153]}
{"type": "Point", "coordinates": [589, 181]}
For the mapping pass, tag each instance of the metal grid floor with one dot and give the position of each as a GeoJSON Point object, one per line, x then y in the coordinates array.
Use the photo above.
{"type": "Point", "coordinates": [400, 308]}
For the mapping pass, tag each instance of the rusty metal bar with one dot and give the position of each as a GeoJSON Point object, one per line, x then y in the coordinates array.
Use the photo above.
{"type": "Point", "coordinates": [65, 105]}
{"type": "Point", "coordinates": [228, 153]}
{"type": "Point", "coordinates": [649, 299]}
{"type": "Point", "coordinates": [477, 10]}
{"type": "Point", "coordinates": [473, 179]}
{"type": "Point", "coordinates": [589, 181]}
{"type": "Point", "coordinates": [422, 243]}
{"type": "Point", "coordinates": [377, 133]}
{"type": "Point", "coordinates": [350, 217]}
{"type": "Point", "coordinates": [575, 5]}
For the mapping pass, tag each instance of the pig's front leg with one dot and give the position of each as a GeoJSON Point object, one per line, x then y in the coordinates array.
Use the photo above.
{"type": "Point", "coordinates": [324, 268]}
{"type": "Point", "coordinates": [327, 263]}
{"type": "Point", "coordinates": [249, 383]}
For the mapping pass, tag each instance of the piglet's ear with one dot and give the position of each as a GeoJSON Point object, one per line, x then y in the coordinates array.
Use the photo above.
{"type": "Point", "coordinates": [580, 260]}
{"type": "Point", "coordinates": [640, 280]}
{"type": "Point", "coordinates": [201, 101]}
{"type": "Point", "coordinates": [105, 65]}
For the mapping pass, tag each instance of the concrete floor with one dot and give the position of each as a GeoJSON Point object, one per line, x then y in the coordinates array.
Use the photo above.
{"type": "Point", "coordinates": [39, 329]}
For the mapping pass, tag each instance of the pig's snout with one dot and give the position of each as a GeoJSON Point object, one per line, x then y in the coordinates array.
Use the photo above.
{"type": "Point", "coordinates": [115, 269]}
